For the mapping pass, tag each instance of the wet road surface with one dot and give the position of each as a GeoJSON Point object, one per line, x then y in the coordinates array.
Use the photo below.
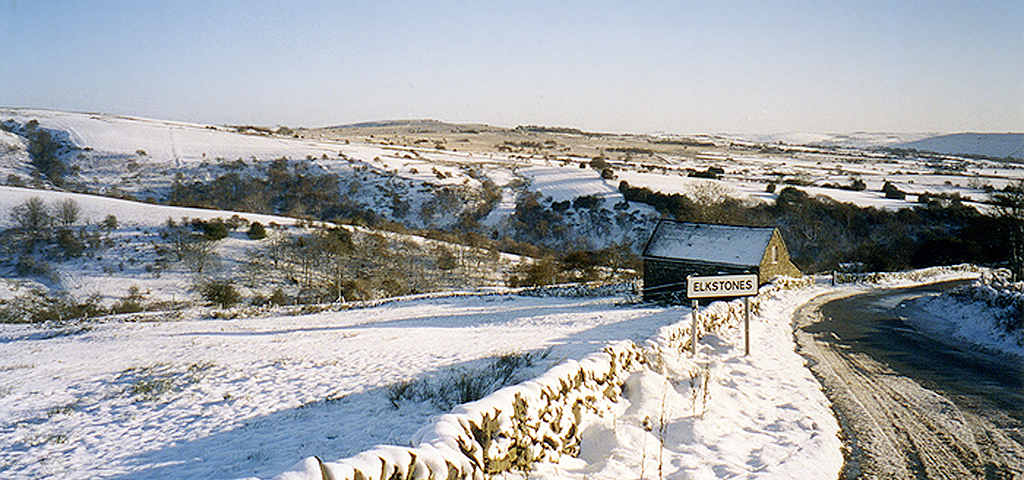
{"type": "Point", "coordinates": [912, 406]}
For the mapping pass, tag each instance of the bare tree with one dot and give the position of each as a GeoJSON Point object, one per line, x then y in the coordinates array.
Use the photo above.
{"type": "Point", "coordinates": [32, 218]}
{"type": "Point", "coordinates": [67, 212]}
{"type": "Point", "coordinates": [191, 248]}
{"type": "Point", "coordinates": [255, 268]}
{"type": "Point", "coordinates": [200, 256]}
{"type": "Point", "coordinates": [710, 196]}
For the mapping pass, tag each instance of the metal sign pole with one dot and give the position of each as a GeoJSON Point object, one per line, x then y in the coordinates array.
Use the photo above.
{"type": "Point", "coordinates": [693, 328]}
{"type": "Point", "coordinates": [719, 286]}
{"type": "Point", "coordinates": [746, 325]}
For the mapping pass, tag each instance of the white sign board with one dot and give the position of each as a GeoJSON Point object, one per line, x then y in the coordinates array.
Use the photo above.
{"type": "Point", "coordinates": [721, 286]}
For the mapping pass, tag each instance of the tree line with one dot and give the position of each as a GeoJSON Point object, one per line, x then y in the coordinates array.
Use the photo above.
{"type": "Point", "coordinates": [822, 233]}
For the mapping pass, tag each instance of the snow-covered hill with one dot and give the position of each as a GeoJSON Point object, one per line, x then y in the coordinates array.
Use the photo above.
{"type": "Point", "coordinates": [995, 145]}
{"type": "Point", "coordinates": [416, 186]}
{"type": "Point", "coordinates": [419, 181]}
{"type": "Point", "coordinates": [848, 140]}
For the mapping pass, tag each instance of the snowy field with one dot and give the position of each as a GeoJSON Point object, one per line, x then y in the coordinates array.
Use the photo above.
{"type": "Point", "coordinates": [206, 398]}
{"type": "Point", "coordinates": [112, 272]}
{"type": "Point", "coordinates": [199, 397]}
{"type": "Point", "coordinates": [129, 214]}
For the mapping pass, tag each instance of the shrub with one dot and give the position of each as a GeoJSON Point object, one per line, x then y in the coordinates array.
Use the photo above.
{"type": "Point", "coordinates": [591, 202]}
{"type": "Point", "coordinates": [67, 212]}
{"type": "Point", "coordinates": [536, 273]}
{"type": "Point", "coordinates": [130, 304]}
{"type": "Point", "coordinates": [214, 230]}
{"type": "Point", "coordinates": [891, 191]}
{"type": "Point", "coordinates": [32, 217]}
{"type": "Point", "coordinates": [446, 259]}
{"type": "Point", "coordinates": [236, 222]}
{"type": "Point", "coordinates": [15, 181]}
{"type": "Point", "coordinates": [110, 222]}
{"type": "Point", "coordinates": [27, 266]}
{"type": "Point", "coordinates": [256, 231]}
{"type": "Point", "coordinates": [44, 150]}
{"type": "Point", "coordinates": [69, 243]}
{"type": "Point", "coordinates": [220, 292]}
{"type": "Point", "coordinates": [462, 385]}
{"type": "Point", "coordinates": [279, 297]}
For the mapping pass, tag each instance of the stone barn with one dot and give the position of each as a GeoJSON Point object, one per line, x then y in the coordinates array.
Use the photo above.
{"type": "Point", "coordinates": [678, 249]}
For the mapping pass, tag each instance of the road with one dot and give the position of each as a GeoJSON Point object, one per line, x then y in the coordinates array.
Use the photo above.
{"type": "Point", "coordinates": [911, 406]}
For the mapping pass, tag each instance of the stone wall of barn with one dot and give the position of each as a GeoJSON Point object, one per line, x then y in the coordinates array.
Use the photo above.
{"type": "Point", "coordinates": [777, 264]}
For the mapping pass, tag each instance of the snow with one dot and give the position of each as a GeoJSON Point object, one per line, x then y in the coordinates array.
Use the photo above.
{"type": "Point", "coordinates": [253, 396]}
{"type": "Point", "coordinates": [166, 141]}
{"type": "Point", "coordinates": [199, 397]}
{"type": "Point", "coordinates": [850, 140]}
{"type": "Point", "coordinates": [568, 182]}
{"type": "Point", "coordinates": [718, 414]}
{"type": "Point", "coordinates": [142, 157]}
{"type": "Point", "coordinates": [129, 213]}
{"type": "Point", "coordinates": [957, 317]}
{"type": "Point", "coordinates": [721, 244]}
{"type": "Point", "coordinates": [183, 395]}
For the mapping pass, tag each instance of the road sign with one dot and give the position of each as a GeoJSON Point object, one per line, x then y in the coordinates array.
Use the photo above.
{"type": "Point", "coordinates": [716, 287]}
{"type": "Point", "coordinates": [721, 286]}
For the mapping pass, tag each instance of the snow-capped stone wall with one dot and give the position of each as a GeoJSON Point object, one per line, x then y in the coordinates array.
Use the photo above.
{"type": "Point", "coordinates": [538, 420]}
{"type": "Point", "coordinates": [509, 429]}
{"type": "Point", "coordinates": [931, 274]}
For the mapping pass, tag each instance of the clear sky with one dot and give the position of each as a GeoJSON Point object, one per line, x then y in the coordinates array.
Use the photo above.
{"type": "Point", "coordinates": [714, 66]}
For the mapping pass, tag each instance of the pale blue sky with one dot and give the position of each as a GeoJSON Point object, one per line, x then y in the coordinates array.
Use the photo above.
{"type": "Point", "coordinates": [682, 67]}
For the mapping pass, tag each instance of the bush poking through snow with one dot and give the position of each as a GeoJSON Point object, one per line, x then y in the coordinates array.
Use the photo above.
{"type": "Point", "coordinates": [110, 222]}
{"type": "Point", "coordinates": [220, 292]}
{"type": "Point", "coordinates": [132, 303]}
{"type": "Point", "coordinates": [152, 383]}
{"type": "Point", "coordinates": [256, 231]}
{"type": "Point", "coordinates": [38, 307]}
{"type": "Point", "coordinates": [32, 218]}
{"type": "Point", "coordinates": [463, 385]}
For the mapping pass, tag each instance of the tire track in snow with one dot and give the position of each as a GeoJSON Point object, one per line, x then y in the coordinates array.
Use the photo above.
{"type": "Point", "coordinates": [895, 427]}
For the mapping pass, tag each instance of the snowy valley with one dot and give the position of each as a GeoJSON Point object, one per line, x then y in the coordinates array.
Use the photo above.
{"type": "Point", "coordinates": [209, 301]}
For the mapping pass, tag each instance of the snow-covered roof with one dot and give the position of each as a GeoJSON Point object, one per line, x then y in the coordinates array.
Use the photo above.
{"type": "Point", "coordinates": [702, 242]}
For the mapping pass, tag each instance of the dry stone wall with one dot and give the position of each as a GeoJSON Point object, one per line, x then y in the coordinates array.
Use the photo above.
{"type": "Point", "coordinates": [538, 420]}
{"type": "Point", "coordinates": [510, 429]}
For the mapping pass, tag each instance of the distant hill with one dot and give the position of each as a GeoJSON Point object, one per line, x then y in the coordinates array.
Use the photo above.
{"type": "Point", "coordinates": [997, 145]}
{"type": "Point", "coordinates": [410, 126]}
{"type": "Point", "coordinates": [847, 140]}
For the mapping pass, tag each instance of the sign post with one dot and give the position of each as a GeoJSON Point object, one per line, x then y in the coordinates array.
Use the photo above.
{"type": "Point", "coordinates": [717, 287]}
{"type": "Point", "coordinates": [693, 328]}
{"type": "Point", "coordinates": [746, 326]}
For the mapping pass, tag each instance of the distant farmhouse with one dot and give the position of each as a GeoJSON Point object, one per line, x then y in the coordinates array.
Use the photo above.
{"type": "Point", "coordinates": [677, 249]}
